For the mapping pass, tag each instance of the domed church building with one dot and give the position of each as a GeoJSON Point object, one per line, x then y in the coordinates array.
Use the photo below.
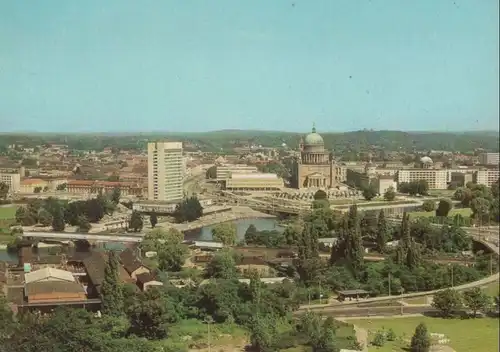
{"type": "Point", "coordinates": [316, 167]}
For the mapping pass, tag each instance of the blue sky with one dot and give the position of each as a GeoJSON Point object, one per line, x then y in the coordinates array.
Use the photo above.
{"type": "Point", "coordinates": [191, 65]}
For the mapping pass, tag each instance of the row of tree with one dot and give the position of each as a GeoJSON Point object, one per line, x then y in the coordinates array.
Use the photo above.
{"type": "Point", "coordinates": [57, 213]}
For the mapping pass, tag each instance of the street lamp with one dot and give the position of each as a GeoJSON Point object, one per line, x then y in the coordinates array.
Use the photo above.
{"type": "Point", "coordinates": [208, 320]}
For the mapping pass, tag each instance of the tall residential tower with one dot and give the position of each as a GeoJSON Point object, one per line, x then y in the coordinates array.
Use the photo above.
{"type": "Point", "coordinates": [165, 171]}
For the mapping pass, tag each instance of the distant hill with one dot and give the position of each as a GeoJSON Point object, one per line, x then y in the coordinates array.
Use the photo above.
{"type": "Point", "coordinates": [225, 139]}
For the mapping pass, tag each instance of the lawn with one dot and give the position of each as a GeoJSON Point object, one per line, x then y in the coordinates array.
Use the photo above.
{"type": "Point", "coordinates": [492, 289]}
{"type": "Point", "coordinates": [478, 335]}
{"type": "Point", "coordinates": [465, 212]}
{"type": "Point", "coordinates": [8, 213]}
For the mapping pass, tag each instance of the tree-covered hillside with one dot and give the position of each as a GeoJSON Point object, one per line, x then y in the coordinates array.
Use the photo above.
{"type": "Point", "coordinates": [226, 139]}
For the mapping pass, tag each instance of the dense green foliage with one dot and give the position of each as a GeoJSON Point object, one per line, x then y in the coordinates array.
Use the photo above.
{"type": "Point", "coordinates": [483, 200]}
{"type": "Point", "coordinates": [189, 209]}
{"type": "Point", "coordinates": [353, 142]}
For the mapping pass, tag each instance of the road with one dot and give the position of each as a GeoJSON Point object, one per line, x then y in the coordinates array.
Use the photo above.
{"type": "Point", "coordinates": [131, 238]}
{"type": "Point", "coordinates": [372, 311]}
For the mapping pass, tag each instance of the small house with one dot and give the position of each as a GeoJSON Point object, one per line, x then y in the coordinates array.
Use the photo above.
{"type": "Point", "coordinates": [132, 264]}
{"type": "Point", "coordinates": [146, 281]}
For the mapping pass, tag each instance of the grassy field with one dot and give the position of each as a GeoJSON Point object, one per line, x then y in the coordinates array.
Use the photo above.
{"type": "Point", "coordinates": [465, 212]}
{"type": "Point", "coordinates": [492, 289]}
{"type": "Point", "coordinates": [8, 213]}
{"type": "Point", "coordinates": [364, 204]}
{"type": "Point", "coordinates": [478, 335]}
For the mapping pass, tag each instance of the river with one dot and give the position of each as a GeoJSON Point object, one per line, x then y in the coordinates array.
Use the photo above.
{"type": "Point", "coordinates": [204, 233]}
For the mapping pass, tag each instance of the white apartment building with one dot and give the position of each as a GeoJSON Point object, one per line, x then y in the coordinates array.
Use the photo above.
{"type": "Point", "coordinates": [165, 171]}
{"type": "Point", "coordinates": [489, 158]}
{"type": "Point", "coordinates": [436, 178]}
{"type": "Point", "coordinates": [12, 180]}
{"type": "Point", "coordinates": [224, 172]}
{"type": "Point", "coordinates": [487, 177]}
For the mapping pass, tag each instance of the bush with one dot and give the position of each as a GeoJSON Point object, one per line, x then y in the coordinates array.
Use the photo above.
{"type": "Point", "coordinates": [379, 339]}
{"type": "Point", "coordinates": [391, 335]}
{"type": "Point", "coordinates": [429, 205]}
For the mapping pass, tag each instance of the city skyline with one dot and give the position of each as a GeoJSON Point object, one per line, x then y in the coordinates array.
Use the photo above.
{"type": "Point", "coordinates": [193, 67]}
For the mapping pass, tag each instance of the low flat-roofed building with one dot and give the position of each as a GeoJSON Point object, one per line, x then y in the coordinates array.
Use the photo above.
{"type": "Point", "coordinates": [29, 185]}
{"type": "Point", "coordinates": [95, 187]}
{"type": "Point", "coordinates": [225, 171]}
{"type": "Point", "coordinates": [53, 291]}
{"type": "Point", "coordinates": [207, 245]}
{"type": "Point", "coordinates": [266, 280]}
{"type": "Point", "coordinates": [254, 182]}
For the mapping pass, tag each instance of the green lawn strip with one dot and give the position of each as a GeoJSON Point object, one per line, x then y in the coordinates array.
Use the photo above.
{"type": "Point", "coordinates": [492, 288]}
{"type": "Point", "coordinates": [195, 333]}
{"type": "Point", "coordinates": [465, 335]}
{"type": "Point", "coordinates": [465, 212]}
{"type": "Point", "coordinates": [378, 204]}
{"type": "Point", "coordinates": [8, 213]}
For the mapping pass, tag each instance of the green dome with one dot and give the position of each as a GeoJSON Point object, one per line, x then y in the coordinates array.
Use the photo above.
{"type": "Point", "coordinates": [313, 138]}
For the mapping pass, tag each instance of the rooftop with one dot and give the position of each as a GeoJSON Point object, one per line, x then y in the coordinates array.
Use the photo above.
{"type": "Point", "coordinates": [255, 176]}
{"type": "Point", "coordinates": [50, 287]}
{"type": "Point", "coordinates": [48, 274]}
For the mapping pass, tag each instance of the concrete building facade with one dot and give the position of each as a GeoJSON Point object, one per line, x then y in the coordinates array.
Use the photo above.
{"type": "Point", "coordinates": [487, 177]}
{"type": "Point", "coordinates": [12, 180]}
{"type": "Point", "coordinates": [489, 158]}
{"type": "Point", "coordinates": [225, 171]}
{"type": "Point", "coordinates": [165, 171]}
{"type": "Point", "coordinates": [437, 179]}
{"type": "Point", "coordinates": [254, 182]}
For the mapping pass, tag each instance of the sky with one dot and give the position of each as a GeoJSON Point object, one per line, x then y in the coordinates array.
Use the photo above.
{"type": "Point", "coordinates": [186, 65]}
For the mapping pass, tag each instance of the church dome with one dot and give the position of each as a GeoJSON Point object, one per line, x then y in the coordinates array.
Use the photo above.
{"type": "Point", "coordinates": [313, 138]}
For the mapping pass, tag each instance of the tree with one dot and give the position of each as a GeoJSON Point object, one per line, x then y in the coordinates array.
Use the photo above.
{"type": "Point", "coordinates": [429, 205]}
{"type": "Point", "coordinates": [153, 219]}
{"type": "Point", "coordinates": [4, 190]}
{"type": "Point", "coordinates": [480, 209]}
{"type": "Point", "coordinates": [447, 301]}
{"type": "Point", "coordinates": [222, 265]}
{"type": "Point", "coordinates": [476, 300]}
{"type": "Point", "coordinates": [390, 194]}
{"type": "Point", "coordinates": [320, 194]}
{"type": "Point", "coordinates": [44, 217]}
{"type": "Point", "coordinates": [189, 209]}
{"type": "Point", "coordinates": [135, 222]}
{"type": "Point", "coordinates": [369, 192]}
{"type": "Point", "coordinates": [382, 231]}
{"type": "Point", "coordinates": [421, 340]}
{"type": "Point", "coordinates": [444, 207]}
{"type": "Point", "coordinates": [211, 172]}
{"type": "Point", "coordinates": [111, 291]}
{"type": "Point", "coordinates": [61, 187]}
{"type": "Point", "coordinates": [150, 314]}
{"type": "Point", "coordinates": [115, 195]}
{"type": "Point", "coordinates": [263, 332]}
{"type": "Point", "coordinates": [58, 220]}
{"type": "Point", "coordinates": [25, 217]}
{"type": "Point", "coordinates": [37, 190]}
{"type": "Point", "coordinates": [422, 187]}
{"type": "Point", "coordinates": [251, 234]}
{"type": "Point", "coordinates": [83, 224]}
{"type": "Point", "coordinates": [224, 233]}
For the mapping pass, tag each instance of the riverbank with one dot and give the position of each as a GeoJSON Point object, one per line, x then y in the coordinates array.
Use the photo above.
{"type": "Point", "coordinates": [236, 213]}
